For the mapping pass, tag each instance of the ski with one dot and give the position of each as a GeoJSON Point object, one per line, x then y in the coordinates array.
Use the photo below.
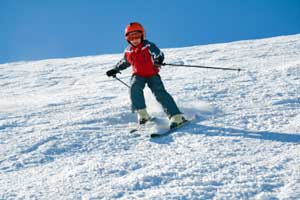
{"type": "Point", "coordinates": [133, 130]}
{"type": "Point", "coordinates": [170, 131]}
{"type": "Point", "coordinates": [141, 127]}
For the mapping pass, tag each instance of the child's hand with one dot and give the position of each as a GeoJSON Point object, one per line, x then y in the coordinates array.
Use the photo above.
{"type": "Point", "coordinates": [158, 62]}
{"type": "Point", "coordinates": [112, 72]}
{"type": "Point", "coordinates": [158, 59]}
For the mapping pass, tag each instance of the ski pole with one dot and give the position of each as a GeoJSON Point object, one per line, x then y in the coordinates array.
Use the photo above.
{"type": "Point", "coordinates": [199, 66]}
{"type": "Point", "coordinates": [121, 81]}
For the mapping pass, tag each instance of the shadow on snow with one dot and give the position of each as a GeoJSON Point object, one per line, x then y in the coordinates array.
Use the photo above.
{"type": "Point", "coordinates": [261, 135]}
{"type": "Point", "coordinates": [211, 131]}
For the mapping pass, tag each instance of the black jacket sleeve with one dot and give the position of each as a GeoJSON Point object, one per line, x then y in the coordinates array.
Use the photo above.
{"type": "Point", "coordinates": [122, 64]}
{"type": "Point", "coordinates": [156, 53]}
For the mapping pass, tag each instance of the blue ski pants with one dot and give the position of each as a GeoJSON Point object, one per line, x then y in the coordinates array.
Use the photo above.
{"type": "Point", "coordinates": [156, 86]}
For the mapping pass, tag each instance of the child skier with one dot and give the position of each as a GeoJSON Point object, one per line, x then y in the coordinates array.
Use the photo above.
{"type": "Point", "coordinates": [145, 59]}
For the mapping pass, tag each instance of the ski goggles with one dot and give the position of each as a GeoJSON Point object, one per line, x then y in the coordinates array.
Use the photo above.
{"type": "Point", "coordinates": [134, 35]}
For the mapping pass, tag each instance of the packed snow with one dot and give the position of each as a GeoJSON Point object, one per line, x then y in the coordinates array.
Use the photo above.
{"type": "Point", "coordinates": [64, 127]}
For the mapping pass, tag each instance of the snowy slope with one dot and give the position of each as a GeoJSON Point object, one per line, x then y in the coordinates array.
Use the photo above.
{"type": "Point", "coordinates": [64, 127]}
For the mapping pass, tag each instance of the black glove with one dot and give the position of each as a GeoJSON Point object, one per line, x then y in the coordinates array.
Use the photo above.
{"type": "Point", "coordinates": [112, 72]}
{"type": "Point", "coordinates": [158, 60]}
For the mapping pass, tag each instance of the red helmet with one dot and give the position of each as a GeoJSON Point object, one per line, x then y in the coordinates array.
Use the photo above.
{"type": "Point", "coordinates": [134, 26]}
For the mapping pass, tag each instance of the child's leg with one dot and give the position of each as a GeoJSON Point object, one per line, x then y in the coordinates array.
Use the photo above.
{"type": "Point", "coordinates": [136, 92]}
{"type": "Point", "coordinates": [162, 96]}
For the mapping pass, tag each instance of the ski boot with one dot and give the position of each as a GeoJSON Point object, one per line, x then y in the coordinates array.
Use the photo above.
{"type": "Point", "coordinates": [177, 120]}
{"type": "Point", "coordinates": [143, 116]}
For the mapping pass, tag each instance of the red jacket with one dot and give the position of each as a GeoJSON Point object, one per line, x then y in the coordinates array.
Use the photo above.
{"type": "Point", "coordinates": [141, 58]}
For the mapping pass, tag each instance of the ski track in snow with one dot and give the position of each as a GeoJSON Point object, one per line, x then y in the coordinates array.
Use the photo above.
{"type": "Point", "coordinates": [64, 127]}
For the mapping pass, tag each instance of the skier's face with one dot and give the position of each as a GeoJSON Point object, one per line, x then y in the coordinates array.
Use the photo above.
{"type": "Point", "coordinates": [136, 42]}
{"type": "Point", "coordinates": [135, 38]}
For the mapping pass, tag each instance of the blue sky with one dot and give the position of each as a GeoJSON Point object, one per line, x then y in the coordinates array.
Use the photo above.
{"type": "Point", "coordinates": [40, 29]}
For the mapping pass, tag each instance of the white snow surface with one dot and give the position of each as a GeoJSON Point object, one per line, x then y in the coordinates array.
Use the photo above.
{"type": "Point", "coordinates": [64, 127]}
